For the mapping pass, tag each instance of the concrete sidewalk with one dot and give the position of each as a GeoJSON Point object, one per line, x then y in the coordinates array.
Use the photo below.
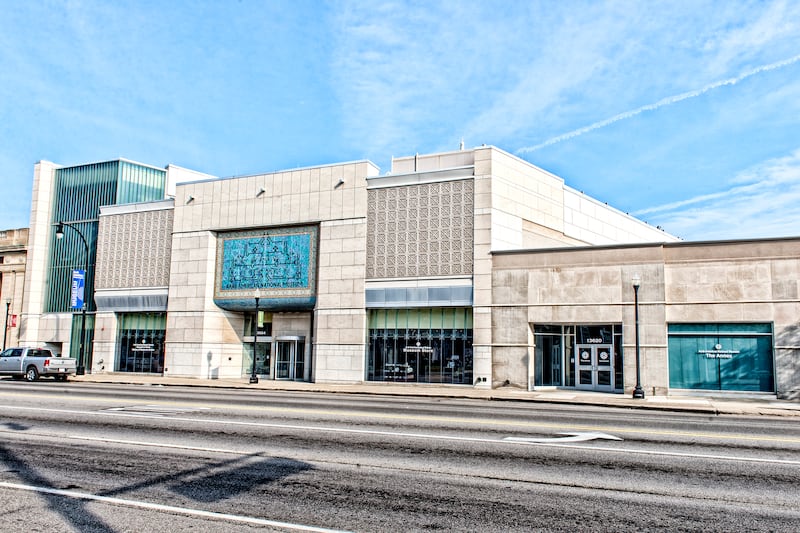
{"type": "Point", "coordinates": [699, 404]}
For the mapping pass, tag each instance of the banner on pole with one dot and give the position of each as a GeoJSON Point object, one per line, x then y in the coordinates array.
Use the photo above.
{"type": "Point", "coordinates": [78, 284]}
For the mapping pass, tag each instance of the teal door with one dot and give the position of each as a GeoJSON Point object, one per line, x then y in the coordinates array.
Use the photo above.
{"type": "Point", "coordinates": [724, 357]}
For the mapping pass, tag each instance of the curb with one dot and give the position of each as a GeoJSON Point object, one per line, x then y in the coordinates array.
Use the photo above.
{"type": "Point", "coordinates": [714, 407]}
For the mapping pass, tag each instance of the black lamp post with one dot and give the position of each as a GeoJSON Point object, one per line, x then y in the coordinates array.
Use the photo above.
{"type": "Point", "coordinates": [253, 376]}
{"type": "Point", "coordinates": [638, 392]}
{"type": "Point", "coordinates": [81, 370]}
{"type": "Point", "coordinates": [5, 332]}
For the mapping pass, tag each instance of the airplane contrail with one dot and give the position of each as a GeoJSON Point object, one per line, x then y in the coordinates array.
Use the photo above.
{"type": "Point", "coordinates": [661, 103]}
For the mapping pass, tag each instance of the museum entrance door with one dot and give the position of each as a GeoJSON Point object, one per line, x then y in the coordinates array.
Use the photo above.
{"type": "Point", "coordinates": [594, 367]}
{"type": "Point", "coordinates": [290, 358]}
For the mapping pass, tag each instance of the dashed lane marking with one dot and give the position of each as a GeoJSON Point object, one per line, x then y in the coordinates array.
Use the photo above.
{"type": "Point", "coordinates": [156, 410]}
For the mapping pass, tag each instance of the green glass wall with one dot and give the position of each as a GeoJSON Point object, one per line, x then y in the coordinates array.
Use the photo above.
{"type": "Point", "coordinates": [724, 357]}
{"type": "Point", "coordinates": [75, 344]}
{"type": "Point", "coordinates": [78, 194]}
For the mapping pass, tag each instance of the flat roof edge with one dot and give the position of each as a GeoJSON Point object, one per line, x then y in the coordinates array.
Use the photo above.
{"type": "Point", "coordinates": [623, 246]}
{"type": "Point", "coordinates": [283, 171]}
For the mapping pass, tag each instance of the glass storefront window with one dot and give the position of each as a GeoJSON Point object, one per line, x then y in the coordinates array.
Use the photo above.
{"type": "Point", "coordinates": [420, 345]}
{"type": "Point", "coordinates": [141, 342]}
{"type": "Point", "coordinates": [263, 357]}
{"type": "Point", "coordinates": [264, 324]}
{"type": "Point", "coordinates": [262, 337]}
{"type": "Point", "coordinates": [730, 357]}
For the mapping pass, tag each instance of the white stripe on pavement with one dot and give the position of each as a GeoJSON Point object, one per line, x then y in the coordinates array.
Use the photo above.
{"type": "Point", "coordinates": [167, 508]}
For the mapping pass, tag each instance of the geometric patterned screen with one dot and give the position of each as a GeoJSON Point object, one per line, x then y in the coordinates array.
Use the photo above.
{"type": "Point", "coordinates": [279, 263]}
{"type": "Point", "coordinates": [421, 230]}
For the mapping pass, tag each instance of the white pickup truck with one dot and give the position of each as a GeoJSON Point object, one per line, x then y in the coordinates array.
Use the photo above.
{"type": "Point", "coordinates": [30, 363]}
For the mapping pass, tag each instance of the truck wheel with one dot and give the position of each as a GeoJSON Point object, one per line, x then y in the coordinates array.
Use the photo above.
{"type": "Point", "coordinates": [31, 374]}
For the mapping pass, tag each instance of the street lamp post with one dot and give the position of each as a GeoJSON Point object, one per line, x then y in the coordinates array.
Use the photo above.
{"type": "Point", "coordinates": [5, 332]}
{"type": "Point", "coordinates": [638, 391]}
{"type": "Point", "coordinates": [81, 370]}
{"type": "Point", "coordinates": [253, 376]}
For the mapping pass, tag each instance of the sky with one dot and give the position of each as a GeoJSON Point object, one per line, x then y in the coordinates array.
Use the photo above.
{"type": "Point", "coordinates": [685, 114]}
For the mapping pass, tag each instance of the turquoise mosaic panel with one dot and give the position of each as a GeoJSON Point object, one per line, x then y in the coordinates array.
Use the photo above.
{"type": "Point", "coordinates": [270, 262]}
{"type": "Point", "coordinates": [279, 263]}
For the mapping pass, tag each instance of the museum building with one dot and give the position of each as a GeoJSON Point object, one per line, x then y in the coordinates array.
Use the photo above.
{"type": "Point", "coordinates": [438, 271]}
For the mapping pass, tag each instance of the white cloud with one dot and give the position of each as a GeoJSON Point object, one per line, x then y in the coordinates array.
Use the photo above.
{"type": "Point", "coordinates": [662, 103]}
{"type": "Point", "coordinates": [767, 25]}
{"type": "Point", "coordinates": [763, 201]}
{"type": "Point", "coordinates": [406, 72]}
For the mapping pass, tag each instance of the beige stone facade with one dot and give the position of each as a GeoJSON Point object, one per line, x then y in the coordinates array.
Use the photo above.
{"type": "Point", "coordinates": [133, 258]}
{"type": "Point", "coordinates": [408, 250]}
{"type": "Point", "coordinates": [202, 338]}
{"type": "Point", "coordinates": [707, 284]}
{"type": "Point", "coordinates": [516, 206]}
{"type": "Point", "coordinates": [13, 255]}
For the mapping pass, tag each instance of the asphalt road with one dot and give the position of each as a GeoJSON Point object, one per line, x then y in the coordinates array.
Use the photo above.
{"type": "Point", "coordinates": [87, 457]}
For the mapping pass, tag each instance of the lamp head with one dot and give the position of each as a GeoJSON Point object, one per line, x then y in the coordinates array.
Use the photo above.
{"type": "Point", "coordinates": [636, 280]}
{"type": "Point", "coordinates": [60, 230]}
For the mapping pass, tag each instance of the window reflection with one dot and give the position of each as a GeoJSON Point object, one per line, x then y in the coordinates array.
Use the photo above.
{"type": "Point", "coordinates": [420, 345]}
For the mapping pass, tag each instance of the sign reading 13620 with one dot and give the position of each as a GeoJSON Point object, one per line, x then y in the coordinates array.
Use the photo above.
{"type": "Point", "coordinates": [78, 284]}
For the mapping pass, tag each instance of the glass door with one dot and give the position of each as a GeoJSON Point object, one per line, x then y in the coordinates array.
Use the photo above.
{"type": "Point", "coordinates": [594, 367]}
{"type": "Point", "coordinates": [290, 358]}
{"type": "Point", "coordinates": [263, 350]}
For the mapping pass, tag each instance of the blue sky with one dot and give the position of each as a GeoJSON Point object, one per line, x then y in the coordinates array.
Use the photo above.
{"type": "Point", "coordinates": [685, 114]}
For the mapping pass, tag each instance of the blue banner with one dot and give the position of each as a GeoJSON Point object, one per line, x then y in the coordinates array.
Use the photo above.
{"type": "Point", "coordinates": [78, 284]}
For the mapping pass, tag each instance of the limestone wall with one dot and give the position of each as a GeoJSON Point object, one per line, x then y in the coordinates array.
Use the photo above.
{"type": "Point", "coordinates": [716, 282]}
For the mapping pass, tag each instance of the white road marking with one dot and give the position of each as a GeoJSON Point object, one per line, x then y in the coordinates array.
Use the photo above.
{"type": "Point", "coordinates": [570, 437]}
{"type": "Point", "coordinates": [163, 410]}
{"type": "Point", "coordinates": [505, 440]}
{"type": "Point", "coordinates": [500, 440]}
{"type": "Point", "coordinates": [167, 508]}
{"type": "Point", "coordinates": [455, 420]}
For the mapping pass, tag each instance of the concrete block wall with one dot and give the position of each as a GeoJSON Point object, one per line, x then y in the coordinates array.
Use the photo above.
{"type": "Point", "coordinates": [340, 317]}
{"type": "Point", "coordinates": [722, 282]}
{"type": "Point", "coordinates": [755, 282]}
{"type": "Point", "coordinates": [51, 330]}
{"type": "Point", "coordinates": [40, 233]}
{"type": "Point", "coordinates": [105, 348]}
{"type": "Point", "coordinates": [521, 192]}
{"type": "Point", "coordinates": [429, 162]}
{"type": "Point", "coordinates": [299, 196]}
{"type": "Point", "coordinates": [482, 271]}
{"type": "Point", "coordinates": [510, 349]}
{"type": "Point", "coordinates": [575, 287]}
{"type": "Point", "coordinates": [13, 249]}
{"type": "Point", "coordinates": [653, 351]}
{"type": "Point", "coordinates": [200, 335]}
{"type": "Point", "coordinates": [201, 338]}
{"type": "Point", "coordinates": [594, 222]}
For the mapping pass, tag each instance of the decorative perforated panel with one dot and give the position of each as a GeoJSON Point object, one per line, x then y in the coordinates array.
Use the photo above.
{"type": "Point", "coordinates": [420, 230]}
{"type": "Point", "coordinates": [133, 250]}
